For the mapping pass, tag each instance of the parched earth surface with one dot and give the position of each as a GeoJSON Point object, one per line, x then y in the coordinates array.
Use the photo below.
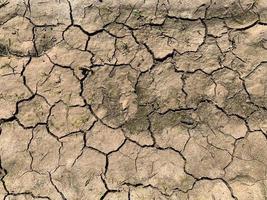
{"type": "Point", "coordinates": [133, 100]}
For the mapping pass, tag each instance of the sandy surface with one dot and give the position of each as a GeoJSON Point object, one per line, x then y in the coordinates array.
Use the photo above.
{"type": "Point", "coordinates": [133, 100]}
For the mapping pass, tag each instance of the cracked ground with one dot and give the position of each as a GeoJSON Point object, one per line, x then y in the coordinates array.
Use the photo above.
{"type": "Point", "coordinates": [133, 100]}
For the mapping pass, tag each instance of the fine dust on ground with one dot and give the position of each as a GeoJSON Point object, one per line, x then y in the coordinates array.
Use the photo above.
{"type": "Point", "coordinates": [133, 99]}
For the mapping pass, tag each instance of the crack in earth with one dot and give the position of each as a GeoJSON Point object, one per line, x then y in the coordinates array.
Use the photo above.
{"type": "Point", "coordinates": [133, 100]}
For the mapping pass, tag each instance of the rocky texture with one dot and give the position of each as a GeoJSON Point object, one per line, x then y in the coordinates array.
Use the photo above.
{"type": "Point", "coordinates": [133, 100]}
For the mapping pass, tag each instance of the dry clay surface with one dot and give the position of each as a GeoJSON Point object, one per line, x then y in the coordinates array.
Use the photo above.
{"type": "Point", "coordinates": [133, 99]}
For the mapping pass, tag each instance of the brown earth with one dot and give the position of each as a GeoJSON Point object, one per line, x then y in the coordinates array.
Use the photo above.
{"type": "Point", "coordinates": [133, 100]}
